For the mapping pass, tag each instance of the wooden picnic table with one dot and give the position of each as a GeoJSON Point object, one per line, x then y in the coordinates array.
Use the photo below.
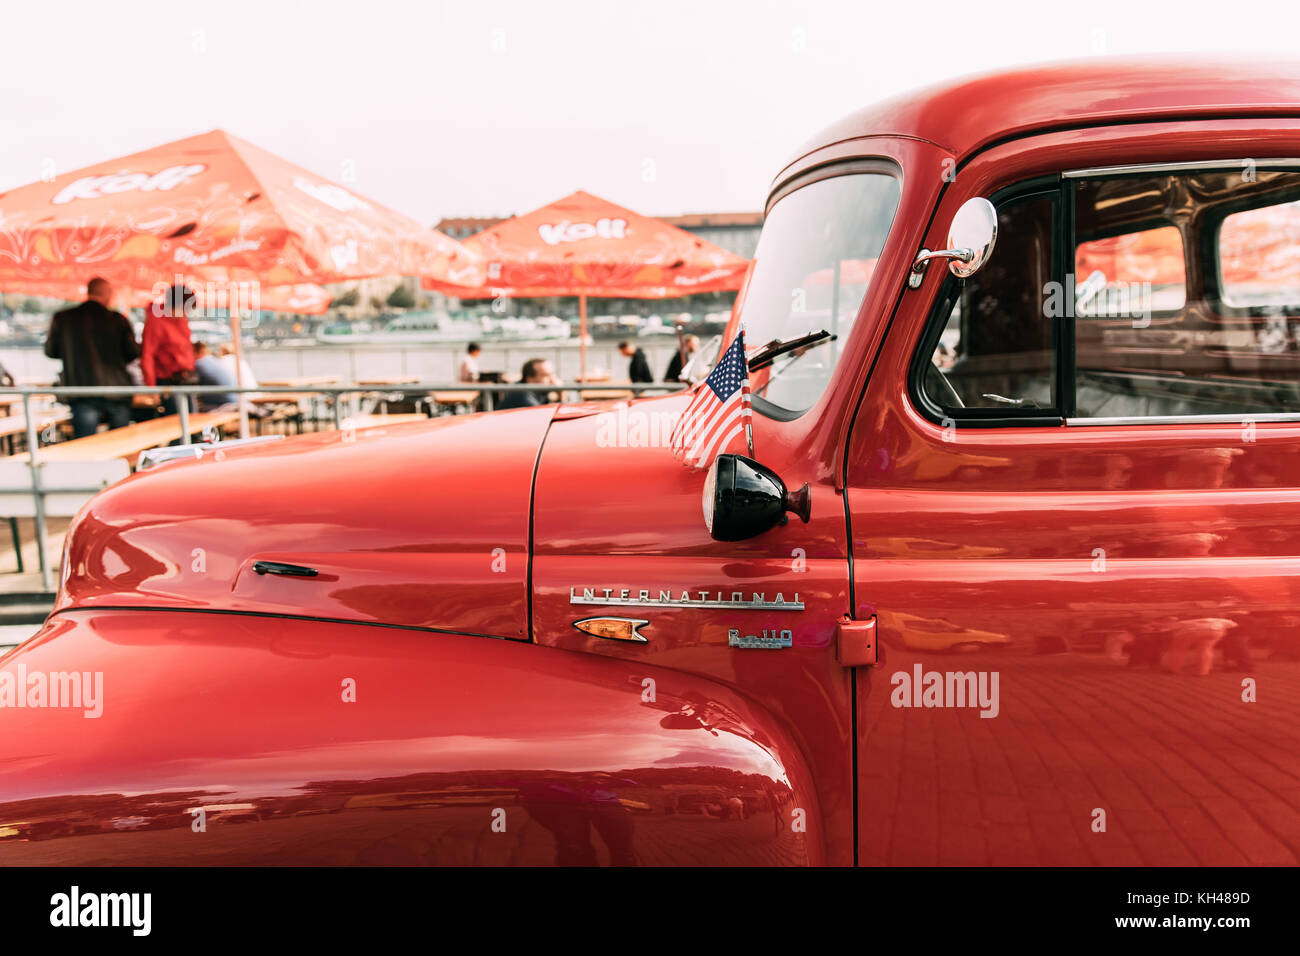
{"type": "Point", "coordinates": [17, 424]}
{"type": "Point", "coordinates": [282, 398]}
{"type": "Point", "coordinates": [392, 380]}
{"type": "Point", "coordinates": [276, 404]}
{"type": "Point", "coordinates": [302, 382]}
{"type": "Point", "coordinates": [454, 397]}
{"type": "Point", "coordinates": [372, 421]}
{"type": "Point", "coordinates": [129, 441]}
{"type": "Point", "coordinates": [9, 403]}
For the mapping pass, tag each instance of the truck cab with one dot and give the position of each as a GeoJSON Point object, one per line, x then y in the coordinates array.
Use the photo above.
{"type": "Point", "coordinates": [1038, 606]}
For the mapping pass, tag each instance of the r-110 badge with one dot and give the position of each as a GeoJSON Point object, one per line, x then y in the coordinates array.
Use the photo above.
{"type": "Point", "coordinates": [767, 640]}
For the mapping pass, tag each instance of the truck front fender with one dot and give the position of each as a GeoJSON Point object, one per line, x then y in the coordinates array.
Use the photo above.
{"type": "Point", "coordinates": [192, 737]}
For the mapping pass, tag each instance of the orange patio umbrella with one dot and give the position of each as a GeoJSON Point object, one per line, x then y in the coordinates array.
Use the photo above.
{"type": "Point", "coordinates": [583, 245]}
{"type": "Point", "coordinates": [211, 207]}
{"type": "Point", "coordinates": [301, 299]}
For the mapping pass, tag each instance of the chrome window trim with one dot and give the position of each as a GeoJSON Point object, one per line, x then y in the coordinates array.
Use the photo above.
{"type": "Point", "coordinates": [1260, 163]}
{"type": "Point", "coordinates": [1237, 420]}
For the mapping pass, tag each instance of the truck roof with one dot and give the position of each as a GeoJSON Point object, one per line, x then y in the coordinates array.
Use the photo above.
{"type": "Point", "coordinates": [967, 114]}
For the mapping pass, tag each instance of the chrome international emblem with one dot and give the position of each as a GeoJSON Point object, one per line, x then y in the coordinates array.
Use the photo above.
{"type": "Point", "coordinates": [643, 597]}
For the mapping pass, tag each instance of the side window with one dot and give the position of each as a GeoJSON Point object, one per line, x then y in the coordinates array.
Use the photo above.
{"type": "Point", "coordinates": [995, 353]}
{"type": "Point", "coordinates": [1259, 258]}
{"type": "Point", "coordinates": [1159, 332]}
{"type": "Point", "coordinates": [1178, 296]}
{"type": "Point", "coordinates": [1136, 273]}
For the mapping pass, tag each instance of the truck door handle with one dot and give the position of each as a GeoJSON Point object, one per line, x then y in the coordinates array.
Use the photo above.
{"type": "Point", "coordinates": [855, 642]}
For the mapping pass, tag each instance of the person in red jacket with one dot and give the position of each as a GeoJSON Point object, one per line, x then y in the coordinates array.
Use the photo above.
{"type": "Point", "coordinates": [166, 351]}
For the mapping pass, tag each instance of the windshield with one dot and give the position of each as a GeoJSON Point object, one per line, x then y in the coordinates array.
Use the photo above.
{"type": "Point", "coordinates": [814, 260]}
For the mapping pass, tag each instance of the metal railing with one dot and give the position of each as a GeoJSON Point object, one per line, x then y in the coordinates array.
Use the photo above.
{"type": "Point", "coordinates": [40, 490]}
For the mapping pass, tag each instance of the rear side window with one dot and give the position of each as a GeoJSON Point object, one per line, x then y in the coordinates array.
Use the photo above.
{"type": "Point", "coordinates": [1259, 258]}
{"type": "Point", "coordinates": [1213, 333]}
{"type": "Point", "coordinates": [1132, 273]}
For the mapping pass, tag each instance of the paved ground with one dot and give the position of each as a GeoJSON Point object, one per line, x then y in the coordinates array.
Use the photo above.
{"type": "Point", "coordinates": [20, 594]}
{"type": "Point", "coordinates": [416, 837]}
{"type": "Point", "coordinates": [15, 634]}
{"type": "Point", "coordinates": [1187, 773]}
{"type": "Point", "coordinates": [10, 580]}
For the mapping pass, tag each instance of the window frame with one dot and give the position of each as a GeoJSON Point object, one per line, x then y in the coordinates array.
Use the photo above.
{"type": "Point", "coordinates": [1211, 280]}
{"type": "Point", "coordinates": [857, 166]}
{"type": "Point", "coordinates": [1064, 325]}
{"type": "Point", "coordinates": [1158, 317]}
{"type": "Point", "coordinates": [1211, 243]}
{"type": "Point", "coordinates": [1050, 186]}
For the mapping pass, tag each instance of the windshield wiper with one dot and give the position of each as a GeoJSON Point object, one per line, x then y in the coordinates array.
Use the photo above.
{"type": "Point", "coordinates": [768, 353]}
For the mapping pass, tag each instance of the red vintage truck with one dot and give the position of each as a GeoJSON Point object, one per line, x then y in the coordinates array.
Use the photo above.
{"type": "Point", "coordinates": [1031, 341]}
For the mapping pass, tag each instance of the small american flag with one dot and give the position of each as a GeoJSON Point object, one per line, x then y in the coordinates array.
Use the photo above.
{"type": "Point", "coordinates": [719, 413]}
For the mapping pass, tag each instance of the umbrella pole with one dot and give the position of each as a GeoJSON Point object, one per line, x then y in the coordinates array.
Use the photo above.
{"type": "Point", "coordinates": [239, 369]}
{"type": "Point", "coordinates": [582, 336]}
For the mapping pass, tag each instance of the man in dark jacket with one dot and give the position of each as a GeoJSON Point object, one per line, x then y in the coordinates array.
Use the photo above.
{"type": "Point", "coordinates": [638, 369]}
{"type": "Point", "coordinates": [95, 344]}
{"type": "Point", "coordinates": [690, 345]}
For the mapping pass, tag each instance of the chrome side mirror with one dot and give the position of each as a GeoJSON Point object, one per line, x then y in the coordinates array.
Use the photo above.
{"type": "Point", "coordinates": [971, 237]}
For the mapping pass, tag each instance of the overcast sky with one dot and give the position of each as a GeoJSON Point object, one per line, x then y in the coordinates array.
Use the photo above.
{"type": "Point", "coordinates": [481, 108]}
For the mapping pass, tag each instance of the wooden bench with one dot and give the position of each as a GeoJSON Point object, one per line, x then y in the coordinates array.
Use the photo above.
{"type": "Point", "coordinates": [601, 394]}
{"type": "Point", "coordinates": [13, 404]}
{"type": "Point", "coordinates": [127, 443]}
{"type": "Point", "coordinates": [374, 421]}
{"type": "Point", "coordinates": [454, 399]}
{"type": "Point", "coordinates": [307, 382]}
{"type": "Point", "coordinates": [11, 426]}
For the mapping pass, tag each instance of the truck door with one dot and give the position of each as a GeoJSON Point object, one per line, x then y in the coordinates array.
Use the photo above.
{"type": "Point", "coordinates": [1074, 499]}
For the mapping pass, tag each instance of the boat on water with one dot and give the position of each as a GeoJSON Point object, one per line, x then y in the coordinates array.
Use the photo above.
{"type": "Point", "coordinates": [546, 327]}
{"type": "Point", "coordinates": [428, 328]}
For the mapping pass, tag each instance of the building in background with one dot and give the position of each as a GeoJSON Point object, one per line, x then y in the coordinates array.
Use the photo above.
{"type": "Point", "coordinates": [734, 231]}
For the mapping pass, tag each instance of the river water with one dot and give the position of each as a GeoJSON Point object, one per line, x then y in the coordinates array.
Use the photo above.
{"type": "Point", "coordinates": [432, 363]}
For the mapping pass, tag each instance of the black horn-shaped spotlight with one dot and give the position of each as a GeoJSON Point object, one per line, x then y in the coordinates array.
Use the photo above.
{"type": "Point", "coordinates": [743, 498]}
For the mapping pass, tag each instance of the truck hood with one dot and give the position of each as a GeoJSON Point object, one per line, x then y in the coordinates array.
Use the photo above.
{"type": "Point", "coordinates": [422, 524]}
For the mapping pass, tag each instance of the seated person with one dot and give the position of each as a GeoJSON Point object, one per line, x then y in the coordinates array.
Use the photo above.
{"type": "Point", "coordinates": [212, 371]}
{"type": "Point", "coordinates": [228, 359]}
{"type": "Point", "coordinates": [535, 370]}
